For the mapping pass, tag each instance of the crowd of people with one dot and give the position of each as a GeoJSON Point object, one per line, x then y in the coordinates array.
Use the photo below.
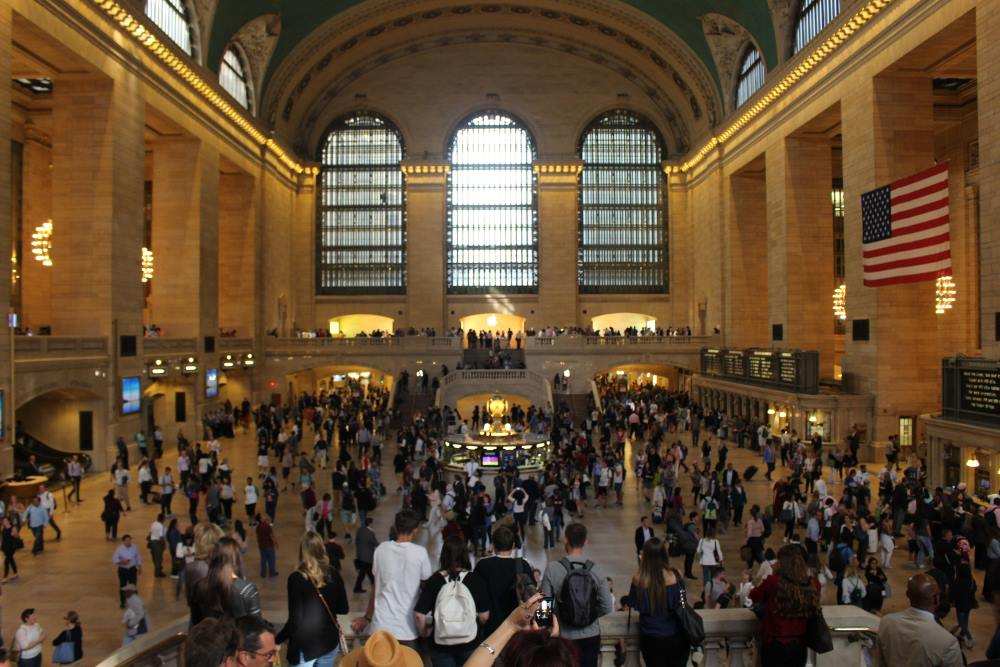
{"type": "Point", "coordinates": [451, 582]}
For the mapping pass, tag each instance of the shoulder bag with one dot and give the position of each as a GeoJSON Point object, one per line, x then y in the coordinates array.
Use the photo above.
{"type": "Point", "coordinates": [818, 637]}
{"type": "Point", "coordinates": [690, 621]}
{"type": "Point", "coordinates": [342, 641]}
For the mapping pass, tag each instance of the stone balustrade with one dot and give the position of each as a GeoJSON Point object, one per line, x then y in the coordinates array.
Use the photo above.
{"type": "Point", "coordinates": [169, 346]}
{"type": "Point", "coordinates": [361, 345]}
{"type": "Point", "coordinates": [61, 347]}
{"type": "Point", "coordinates": [729, 640]}
{"type": "Point", "coordinates": [233, 344]}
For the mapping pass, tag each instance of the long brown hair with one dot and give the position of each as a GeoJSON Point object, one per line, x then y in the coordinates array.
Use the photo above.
{"type": "Point", "coordinates": [652, 569]}
{"type": "Point", "coordinates": [796, 596]}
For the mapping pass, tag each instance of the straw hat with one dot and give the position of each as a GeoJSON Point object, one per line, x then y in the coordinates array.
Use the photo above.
{"type": "Point", "coordinates": [382, 650]}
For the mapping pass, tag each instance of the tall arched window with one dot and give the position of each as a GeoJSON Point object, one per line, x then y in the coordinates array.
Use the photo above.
{"type": "Point", "coordinates": [361, 216]}
{"type": "Point", "coordinates": [171, 16]}
{"type": "Point", "coordinates": [751, 77]}
{"type": "Point", "coordinates": [814, 15]}
{"type": "Point", "coordinates": [492, 208]}
{"type": "Point", "coordinates": [233, 77]}
{"type": "Point", "coordinates": [623, 229]}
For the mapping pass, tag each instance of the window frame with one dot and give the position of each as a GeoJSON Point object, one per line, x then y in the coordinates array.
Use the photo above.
{"type": "Point", "coordinates": [340, 123]}
{"type": "Point", "coordinates": [450, 207]}
{"type": "Point", "coordinates": [181, 9]}
{"type": "Point", "coordinates": [243, 75]}
{"type": "Point", "coordinates": [747, 73]}
{"type": "Point", "coordinates": [809, 19]}
{"type": "Point", "coordinates": [661, 208]}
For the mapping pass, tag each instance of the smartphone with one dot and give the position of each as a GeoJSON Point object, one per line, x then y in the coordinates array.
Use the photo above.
{"type": "Point", "coordinates": [543, 615]}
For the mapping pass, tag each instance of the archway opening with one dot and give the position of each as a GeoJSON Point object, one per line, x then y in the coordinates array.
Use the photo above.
{"type": "Point", "coordinates": [57, 424]}
{"type": "Point", "coordinates": [360, 324]}
{"type": "Point", "coordinates": [493, 322]}
{"type": "Point", "coordinates": [620, 322]}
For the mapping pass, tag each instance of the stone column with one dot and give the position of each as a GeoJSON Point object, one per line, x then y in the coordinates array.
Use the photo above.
{"type": "Point", "coordinates": [746, 270]}
{"type": "Point", "coordinates": [6, 50]}
{"type": "Point", "coordinates": [558, 222]}
{"type": "Point", "coordinates": [988, 91]}
{"type": "Point", "coordinates": [185, 292]}
{"type": "Point", "coordinates": [36, 280]}
{"type": "Point", "coordinates": [237, 257]}
{"type": "Point", "coordinates": [304, 253]}
{"type": "Point", "coordinates": [426, 194]}
{"type": "Point", "coordinates": [888, 132]}
{"type": "Point", "coordinates": [800, 244]}
{"type": "Point", "coordinates": [679, 251]}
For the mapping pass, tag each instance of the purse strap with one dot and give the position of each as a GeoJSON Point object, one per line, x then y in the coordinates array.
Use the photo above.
{"type": "Point", "coordinates": [329, 613]}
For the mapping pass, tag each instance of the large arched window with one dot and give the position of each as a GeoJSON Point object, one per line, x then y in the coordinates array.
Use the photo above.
{"type": "Point", "coordinates": [751, 76]}
{"type": "Point", "coordinates": [233, 77]}
{"type": "Point", "coordinates": [623, 230]}
{"type": "Point", "coordinates": [492, 209]}
{"type": "Point", "coordinates": [361, 225]}
{"type": "Point", "coordinates": [813, 16]}
{"type": "Point", "coordinates": [171, 16]}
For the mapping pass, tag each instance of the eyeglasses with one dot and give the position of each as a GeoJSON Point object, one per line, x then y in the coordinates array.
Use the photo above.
{"type": "Point", "coordinates": [269, 655]}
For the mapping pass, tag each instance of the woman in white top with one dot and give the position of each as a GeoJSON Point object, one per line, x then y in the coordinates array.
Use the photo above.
{"type": "Point", "coordinates": [886, 545]}
{"type": "Point", "coordinates": [853, 589]}
{"type": "Point", "coordinates": [28, 640]}
{"type": "Point", "coordinates": [250, 500]}
{"type": "Point", "coordinates": [709, 555]}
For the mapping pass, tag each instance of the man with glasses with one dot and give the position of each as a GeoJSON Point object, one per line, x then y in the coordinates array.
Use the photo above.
{"type": "Point", "coordinates": [249, 642]}
{"type": "Point", "coordinates": [257, 647]}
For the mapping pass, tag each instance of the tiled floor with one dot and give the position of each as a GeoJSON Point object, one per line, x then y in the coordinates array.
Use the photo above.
{"type": "Point", "coordinates": [76, 573]}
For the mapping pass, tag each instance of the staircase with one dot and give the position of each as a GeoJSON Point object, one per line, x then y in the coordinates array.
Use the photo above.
{"type": "Point", "coordinates": [579, 406]}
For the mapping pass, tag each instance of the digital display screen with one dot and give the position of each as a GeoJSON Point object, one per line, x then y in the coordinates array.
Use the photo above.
{"type": "Point", "coordinates": [131, 395]}
{"type": "Point", "coordinates": [491, 460]}
{"type": "Point", "coordinates": [971, 389]}
{"type": "Point", "coordinates": [212, 383]}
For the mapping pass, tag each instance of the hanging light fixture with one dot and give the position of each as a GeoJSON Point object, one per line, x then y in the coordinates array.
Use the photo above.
{"type": "Point", "coordinates": [14, 275]}
{"type": "Point", "coordinates": [944, 294]}
{"type": "Point", "coordinates": [146, 265]}
{"type": "Point", "coordinates": [840, 302]}
{"type": "Point", "coordinates": [973, 462]}
{"type": "Point", "coordinates": [41, 243]}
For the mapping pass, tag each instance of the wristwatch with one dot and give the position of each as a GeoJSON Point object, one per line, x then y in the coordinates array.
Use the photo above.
{"type": "Point", "coordinates": [489, 648]}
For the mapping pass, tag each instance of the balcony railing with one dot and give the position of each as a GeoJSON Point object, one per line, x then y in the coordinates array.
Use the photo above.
{"type": "Point", "coordinates": [617, 343]}
{"type": "Point", "coordinates": [729, 640]}
{"type": "Point", "coordinates": [157, 346]}
{"type": "Point", "coordinates": [230, 344]}
{"type": "Point", "coordinates": [362, 344]}
{"type": "Point", "coordinates": [39, 347]}
{"type": "Point", "coordinates": [491, 375]}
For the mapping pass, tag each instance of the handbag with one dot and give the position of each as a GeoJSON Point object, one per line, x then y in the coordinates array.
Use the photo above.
{"type": "Point", "coordinates": [691, 622]}
{"type": "Point", "coordinates": [64, 653]}
{"type": "Point", "coordinates": [818, 637]}
{"type": "Point", "coordinates": [341, 640]}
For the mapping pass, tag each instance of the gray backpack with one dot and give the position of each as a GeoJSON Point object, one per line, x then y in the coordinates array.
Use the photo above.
{"type": "Point", "coordinates": [577, 601]}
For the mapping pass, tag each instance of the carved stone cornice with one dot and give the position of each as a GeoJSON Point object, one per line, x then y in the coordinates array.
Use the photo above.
{"type": "Point", "coordinates": [424, 174]}
{"type": "Point", "coordinates": [562, 173]}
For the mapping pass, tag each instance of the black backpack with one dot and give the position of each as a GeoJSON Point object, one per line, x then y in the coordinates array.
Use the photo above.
{"type": "Point", "coordinates": [577, 601]}
{"type": "Point", "coordinates": [837, 562]}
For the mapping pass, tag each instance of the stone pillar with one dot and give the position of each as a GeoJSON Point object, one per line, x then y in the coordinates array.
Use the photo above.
{"type": "Point", "coordinates": [988, 91]}
{"type": "Point", "coordinates": [36, 280]}
{"type": "Point", "coordinates": [679, 252]}
{"type": "Point", "coordinates": [888, 132]}
{"type": "Point", "coordinates": [426, 194]}
{"type": "Point", "coordinates": [303, 252]}
{"type": "Point", "coordinates": [558, 222]}
{"type": "Point", "coordinates": [746, 270]}
{"type": "Point", "coordinates": [6, 51]}
{"type": "Point", "coordinates": [800, 244]}
{"type": "Point", "coordinates": [185, 296]}
{"type": "Point", "coordinates": [237, 253]}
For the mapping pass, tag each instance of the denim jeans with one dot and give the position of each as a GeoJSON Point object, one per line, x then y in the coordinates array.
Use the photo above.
{"type": "Point", "coordinates": [268, 563]}
{"type": "Point", "coordinates": [924, 549]}
{"type": "Point", "coordinates": [328, 660]}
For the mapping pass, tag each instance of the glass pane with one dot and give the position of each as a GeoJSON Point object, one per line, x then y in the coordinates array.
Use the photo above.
{"type": "Point", "coordinates": [171, 17]}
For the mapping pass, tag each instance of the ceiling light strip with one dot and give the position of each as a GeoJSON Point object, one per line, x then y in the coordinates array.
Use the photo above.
{"type": "Point", "coordinates": [819, 54]}
{"type": "Point", "coordinates": [207, 91]}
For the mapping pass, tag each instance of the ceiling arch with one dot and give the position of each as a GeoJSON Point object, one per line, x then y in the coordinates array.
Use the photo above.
{"type": "Point", "coordinates": [682, 18]}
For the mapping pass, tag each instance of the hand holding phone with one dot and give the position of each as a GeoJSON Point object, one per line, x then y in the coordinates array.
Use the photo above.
{"type": "Point", "coordinates": [543, 615]}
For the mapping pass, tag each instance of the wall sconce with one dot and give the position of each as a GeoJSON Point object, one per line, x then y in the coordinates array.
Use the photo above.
{"type": "Point", "coordinates": [158, 369]}
{"type": "Point", "coordinates": [41, 243]}
{"type": "Point", "coordinates": [770, 411]}
{"type": "Point", "coordinates": [840, 303]}
{"type": "Point", "coordinates": [248, 360]}
{"type": "Point", "coordinates": [566, 373]}
{"type": "Point", "coordinates": [146, 265]}
{"type": "Point", "coordinates": [228, 361]}
{"type": "Point", "coordinates": [973, 462]}
{"type": "Point", "coordinates": [190, 366]}
{"type": "Point", "coordinates": [944, 294]}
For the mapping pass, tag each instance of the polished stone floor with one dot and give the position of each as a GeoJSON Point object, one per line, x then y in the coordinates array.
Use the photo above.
{"type": "Point", "coordinates": [76, 573]}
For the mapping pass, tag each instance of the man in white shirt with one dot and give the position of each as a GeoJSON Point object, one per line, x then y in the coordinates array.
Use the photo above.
{"type": "Point", "coordinates": [29, 639]}
{"type": "Point", "coordinates": [399, 567]}
{"type": "Point", "coordinates": [74, 470]}
{"type": "Point", "coordinates": [157, 544]}
{"type": "Point", "coordinates": [48, 501]}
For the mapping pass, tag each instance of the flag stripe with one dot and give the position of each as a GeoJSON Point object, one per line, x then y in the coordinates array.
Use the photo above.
{"type": "Point", "coordinates": [906, 229]}
{"type": "Point", "coordinates": [918, 243]}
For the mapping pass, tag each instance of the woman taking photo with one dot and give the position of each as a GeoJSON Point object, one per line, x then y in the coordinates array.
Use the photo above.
{"type": "Point", "coordinates": [656, 594]}
{"type": "Point", "coordinates": [315, 596]}
{"type": "Point", "coordinates": [789, 597]}
{"type": "Point", "coordinates": [876, 587]}
{"type": "Point", "coordinates": [223, 592]}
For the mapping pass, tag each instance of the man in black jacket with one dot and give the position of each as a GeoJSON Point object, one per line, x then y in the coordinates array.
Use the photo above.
{"type": "Point", "coordinates": [365, 543]}
{"type": "Point", "coordinates": [643, 534]}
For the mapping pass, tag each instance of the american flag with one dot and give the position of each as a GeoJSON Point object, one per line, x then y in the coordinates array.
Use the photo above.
{"type": "Point", "coordinates": [905, 233]}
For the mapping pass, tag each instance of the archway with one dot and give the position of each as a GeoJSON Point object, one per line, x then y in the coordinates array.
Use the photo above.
{"type": "Point", "coordinates": [349, 326]}
{"type": "Point", "coordinates": [58, 423]}
{"type": "Point", "coordinates": [493, 322]}
{"type": "Point", "coordinates": [622, 321]}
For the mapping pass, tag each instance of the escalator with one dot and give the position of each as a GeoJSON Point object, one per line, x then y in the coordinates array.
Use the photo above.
{"type": "Point", "coordinates": [52, 461]}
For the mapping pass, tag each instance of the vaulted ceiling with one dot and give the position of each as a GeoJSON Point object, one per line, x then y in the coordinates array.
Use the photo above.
{"type": "Point", "coordinates": [299, 18]}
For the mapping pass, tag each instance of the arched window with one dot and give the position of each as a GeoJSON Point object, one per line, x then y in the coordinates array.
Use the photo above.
{"type": "Point", "coordinates": [492, 208]}
{"type": "Point", "coordinates": [814, 15]}
{"type": "Point", "coordinates": [233, 77]}
{"type": "Point", "coordinates": [751, 75]}
{"type": "Point", "coordinates": [361, 216]}
{"type": "Point", "coordinates": [623, 231]}
{"type": "Point", "coordinates": [171, 16]}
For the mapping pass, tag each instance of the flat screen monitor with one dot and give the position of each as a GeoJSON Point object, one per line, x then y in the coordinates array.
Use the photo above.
{"type": "Point", "coordinates": [131, 393]}
{"type": "Point", "coordinates": [211, 383]}
{"type": "Point", "coordinates": [491, 460]}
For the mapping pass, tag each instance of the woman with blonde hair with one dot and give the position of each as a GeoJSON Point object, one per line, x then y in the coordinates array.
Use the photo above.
{"type": "Point", "coordinates": [316, 595]}
{"type": "Point", "coordinates": [206, 535]}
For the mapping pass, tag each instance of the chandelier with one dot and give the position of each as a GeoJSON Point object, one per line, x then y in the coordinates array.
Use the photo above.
{"type": "Point", "coordinates": [146, 266]}
{"type": "Point", "coordinates": [41, 243]}
{"type": "Point", "coordinates": [944, 294]}
{"type": "Point", "coordinates": [840, 302]}
{"type": "Point", "coordinates": [14, 275]}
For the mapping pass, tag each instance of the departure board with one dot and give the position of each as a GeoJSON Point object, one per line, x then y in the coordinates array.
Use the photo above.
{"type": "Point", "coordinates": [794, 370]}
{"type": "Point", "coordinates": [971, 389]}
